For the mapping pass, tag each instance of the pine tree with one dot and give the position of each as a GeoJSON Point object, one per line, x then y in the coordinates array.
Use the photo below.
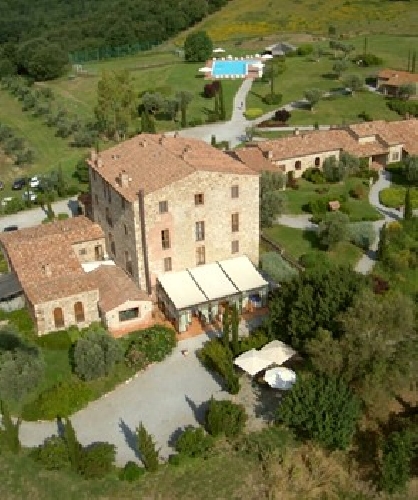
{"type": "Point", "coordinates": [74, 447]}
{"type": "Point", "coordinates": [147, 448]}
{"type": "Point", "coordinates": [407, 211]}
{"type": "Point", "coordinates": [222, 111]}
{"type": "Point", "coordinates": [381, 249]}
{"type": "Point", "coordinates": [10, 432]}
{"type": "Point", "coordinates": [226, 327]}
{"type": "Point", "coordinates": [234, 329]}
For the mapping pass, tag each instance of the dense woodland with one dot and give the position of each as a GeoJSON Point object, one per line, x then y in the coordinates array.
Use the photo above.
{"type": "Point", "coordinates": [35, 35]}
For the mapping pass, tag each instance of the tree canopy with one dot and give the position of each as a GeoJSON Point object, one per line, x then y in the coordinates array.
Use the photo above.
{"type": "Point", "coordinates": [198, 47]}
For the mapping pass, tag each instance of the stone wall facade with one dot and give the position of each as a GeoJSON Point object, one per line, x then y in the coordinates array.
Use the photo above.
{"type": "Point", "coordinates": [89, 251]}
{"type": "Point", "coordinates": [111, 318]}
{"type": "Point", "coordinates": [121, 222]}
{"type": "Point", "coordinates": [300, 164]}
{"type": "Point", "coordinates": [45, 318]}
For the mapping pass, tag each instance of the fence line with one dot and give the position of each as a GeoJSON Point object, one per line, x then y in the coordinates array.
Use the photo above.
{"type": "Point", "coordinates": [107, 52]}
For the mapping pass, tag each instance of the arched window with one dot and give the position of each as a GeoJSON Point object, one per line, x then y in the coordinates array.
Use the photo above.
{"type": "Point", "coordinates": [79, 312]}
{"type": "Point", "coordinates": [298, 165]}
{"type": "Point", "coordinates": [317, 161]}
{"type": "Point", "coordinates": [58, 317]}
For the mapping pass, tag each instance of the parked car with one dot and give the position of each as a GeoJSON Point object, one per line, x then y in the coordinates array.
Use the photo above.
{"type": "Point", "coordinates": [1, 185]}
{"type": "Point", "coordinates": [10, 228]}
{"type": "Point", "coordinates": [19, 183]}
{"type": "Point", "coordinates": [29, 195]}
{"type": "Point", "coordinates": [34, 182]}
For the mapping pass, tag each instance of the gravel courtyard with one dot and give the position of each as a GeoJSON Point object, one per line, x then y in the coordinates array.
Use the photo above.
{"type": "Point", "coordinates": [165, 397]}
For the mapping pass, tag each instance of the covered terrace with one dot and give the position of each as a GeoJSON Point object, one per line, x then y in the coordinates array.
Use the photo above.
{"type": "Point", "coordinates": [205, 291]}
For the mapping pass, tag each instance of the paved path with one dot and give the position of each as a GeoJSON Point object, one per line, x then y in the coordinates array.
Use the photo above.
{"type": "Point", "coordinates": [368, 260]}
{"type": "Point", "coordinates": [35, 216]}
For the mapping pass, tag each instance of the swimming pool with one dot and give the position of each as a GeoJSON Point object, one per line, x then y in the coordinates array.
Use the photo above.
{"type": "Point", "coordinates": [231, 67]}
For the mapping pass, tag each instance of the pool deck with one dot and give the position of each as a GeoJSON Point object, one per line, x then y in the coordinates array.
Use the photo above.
{"type": "Point", "coordinates": [252, 73]}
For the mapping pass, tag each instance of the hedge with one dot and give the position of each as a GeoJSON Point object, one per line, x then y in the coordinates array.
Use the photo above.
{"type": "Point", "coordinates": [277, 268]}
{"type": "Point", "coordinates": [253, 113]}
{"type": "Point", "coordinates": [394, 197]}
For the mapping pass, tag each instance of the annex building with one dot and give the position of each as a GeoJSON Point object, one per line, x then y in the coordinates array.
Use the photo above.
{"type": "Point", "coordinates": [378, 142]}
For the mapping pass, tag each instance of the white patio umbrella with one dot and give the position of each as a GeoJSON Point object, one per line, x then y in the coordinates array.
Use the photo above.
{"type": "Point", "coordinates": [280, 378]}
{"type": "Point", "coordinates": [252, 362]}
{"type": "Point", "coordinates": [205, 69]}
{"type": "Point", "coordinates": [277, 352]}
{"type": "Point", "coordinates": [257, 55]}
{"type": "Point", "coordinates": [267, 56]}
{"type": "Point", "coordinates": [218, 50]}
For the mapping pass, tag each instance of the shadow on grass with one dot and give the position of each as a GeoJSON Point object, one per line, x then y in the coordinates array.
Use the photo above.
{"type": "Point", "coordinates": [329, 76]}
{"type": "Point", "coordinates": [365, 452]}
{"type": "Point", "coordinates": [313, 239]}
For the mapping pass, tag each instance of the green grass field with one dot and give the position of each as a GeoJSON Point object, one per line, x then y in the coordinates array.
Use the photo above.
{"type": "Point", "coordinates": [297, 242]}
{"type": "Point", "coordinates": [297, 198]}
{"type": "Point", "coordinates": [243, 19]}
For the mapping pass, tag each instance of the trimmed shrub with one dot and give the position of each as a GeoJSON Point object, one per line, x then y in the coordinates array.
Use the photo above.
{"type": "Point", "coordinates": [59, 400]}
{"type": "Point", "coordinates": [314, 175]}
{"type": "Point", "coordinates": [96, 354]}
{"type": "Point", "coordinates": [194, 442]}
{"type": "Point", "coordinates": [256, 340]}
{"type": "Point", "coordinates": [394, 197]}
{"type": "Point", "coordinates": [155, 343]}
{"type": "Point", "coordinates": [131, 472]}
{"type": "Point", "coordinates": [97, 460]}
{"type": "Point", "coordinates": [253, 113]}
{"type": "Point", "coordinates": [304, 49]}
{"type": "Point", "coordinates": [361, 234]}
{"type": "Point", "coordinates": [225, 417]}
{"type": "Point", "coordinates": [277, 268]}
{"type": "Point", "coordinates": [367, 60]}
{"type": "Point", "coordinates": [358, 192]}
{"type": "Point", "coordinates": [52, 454]}
{"type": "Point", "coordinates": [403, 107]}
{"type": "Point", "coordinates": [217, 357]}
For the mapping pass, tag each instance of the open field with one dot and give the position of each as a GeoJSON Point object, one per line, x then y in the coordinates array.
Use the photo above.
{"type": "Point", "coordinates": [243, 19]}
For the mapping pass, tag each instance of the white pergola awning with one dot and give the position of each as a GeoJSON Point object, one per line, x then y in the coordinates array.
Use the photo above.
{"type": "Point", "coordinates": [181, 289]}
{"type": "Point", "coordinates": [213, 282]}
{"type": "Point", "coordinates": [242, 273]}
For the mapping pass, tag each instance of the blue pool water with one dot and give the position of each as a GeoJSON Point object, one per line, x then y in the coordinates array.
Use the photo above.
{"type": "Point", "coordinates": [228, 67]}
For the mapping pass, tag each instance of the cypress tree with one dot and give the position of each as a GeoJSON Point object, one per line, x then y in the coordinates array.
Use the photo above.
{"type": "Point", "coordinates": [381, 249]}
{"type": "Point", "coordinates": [234, 329]}
{"type": "Point", "coordinates": [226, 327]}
{"type": "Point", "coordinates": [222, 111]}
{"type": "Point", "coordinates": [147, 448]}
{"type": "Point", "coordinates": [414, 57]}
{"type": "Point", "coordinates": [409, 60]}
{"type": "Point", "coordinates": [73, 446]}
{"type": "Point", "coordinates": [407, 211]}
{"type": "Point", "coordinates": [10, 430]}
{"type": "Point", "coordinates": [365, 45]}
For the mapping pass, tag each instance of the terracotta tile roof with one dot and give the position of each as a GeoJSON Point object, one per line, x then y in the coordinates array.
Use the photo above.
{"type": "Point", "coordinates": [151, 162]}
{"type": "Point", "coordinates": [403, 132]}
{"type": "Point", "coordinates": [44, 260]}
{"type": "Point", "coordinates": [396, 78]}
{"type": "Point", "coordinates": [253, 158]}
{"type": "Point", "coordinates": [115, 287]}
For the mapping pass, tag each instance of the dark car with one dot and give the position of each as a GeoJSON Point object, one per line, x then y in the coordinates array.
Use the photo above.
{"type": "Point", "coordinates": [10, 228]}
{"type": "Point", "coordinates": [19, 184]}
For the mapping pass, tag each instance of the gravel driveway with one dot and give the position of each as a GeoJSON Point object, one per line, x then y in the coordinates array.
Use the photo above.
{"type": "Point", "coordinates": [165, 397]}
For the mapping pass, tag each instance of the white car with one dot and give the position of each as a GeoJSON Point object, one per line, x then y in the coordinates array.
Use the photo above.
{"type": "Point", "coordinates": [34, 182]}
{"type": "Point", "coordinates": [29, 195]}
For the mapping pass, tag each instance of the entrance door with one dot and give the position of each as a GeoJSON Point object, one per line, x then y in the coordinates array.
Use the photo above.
{"type": "Point", "coordinates": [98, 252]}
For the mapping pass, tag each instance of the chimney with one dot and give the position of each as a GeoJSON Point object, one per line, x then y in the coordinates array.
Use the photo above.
{"type": "Point", "coordinates": [176, 134]}
{"type": "Point", "coordinates": [296, 131]}
{"type": "Point", "coordinates": [99, 162]}
{"type": "Point", "coordinates": [143, 143]}
{"type": "Point", "coordinates": [93, 156]}
{"type": "Point", "coordinates": [269, 154]}
{"type": "Point", "coordinates": [124, 179]}
{"type": "Point", "coordinates": [46, 269]}
{"type": "Point", "coordinates": [185, 151]}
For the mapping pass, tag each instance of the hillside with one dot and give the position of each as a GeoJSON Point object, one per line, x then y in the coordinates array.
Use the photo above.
{"type": "Point", "coordinates": [243, 19]}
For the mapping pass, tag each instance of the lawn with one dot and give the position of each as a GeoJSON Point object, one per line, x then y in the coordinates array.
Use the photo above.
{"type": "Point", "coordinates": [243, 19]}
{"type": "Point", "coordinates": [296, 199]}
{"type": "Point", "coordinates": [394, 197]}
{"type": "Point", "coordinates": [297, 242]}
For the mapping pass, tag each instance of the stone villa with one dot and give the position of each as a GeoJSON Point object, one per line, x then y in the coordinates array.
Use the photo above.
{"type": "Point", "coordinates": [378, 142]}
{"type": "Point", "coordinates": [389, 81]}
